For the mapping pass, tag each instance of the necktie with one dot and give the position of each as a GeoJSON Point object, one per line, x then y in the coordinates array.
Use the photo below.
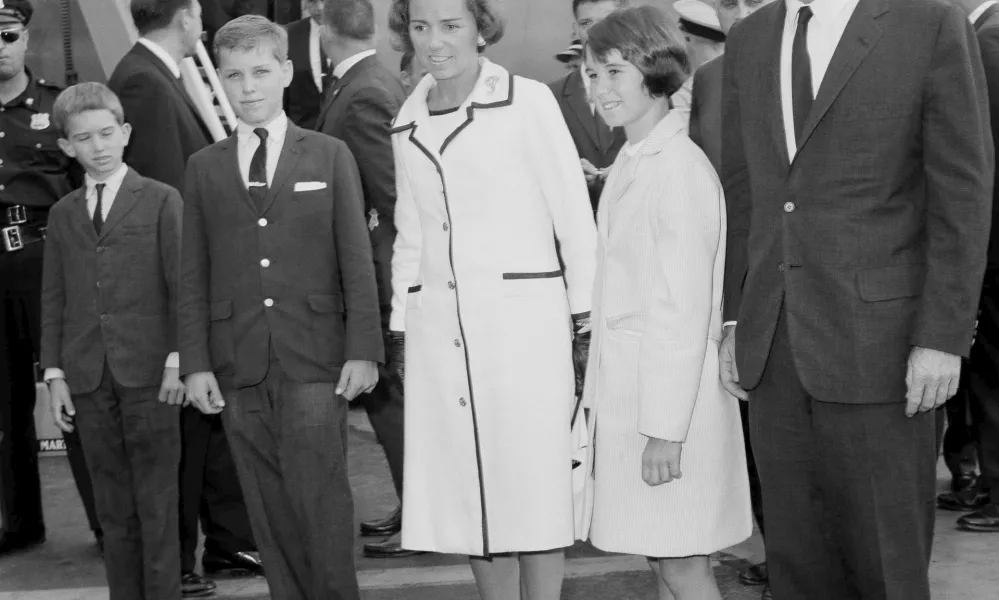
{"type": "Point", "coordinates": [258, 170]}
{"type": "Point", "coordinates": [98, 218]}
{"type": "Point", "coordinates": [801, 73]}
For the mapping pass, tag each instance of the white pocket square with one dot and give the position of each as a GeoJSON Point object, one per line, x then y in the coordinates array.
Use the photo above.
{"type": "Point", "coordinates": [309, 186]}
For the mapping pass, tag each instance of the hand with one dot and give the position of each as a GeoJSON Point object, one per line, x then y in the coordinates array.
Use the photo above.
{"type": "Point", "coordinates": [63, 410]}
{"type": "Point", "coordinates": [203, 391]}
{"type": "Point", "coordinates": [395, 342]}
{"type": "Point", "coordinates": [661, 462]}
{"type": "Point", "coordinates": [358, 377]}
{"type": "Point", "coordinates": [590, 172]}
{"type": "Point", "coordinates": [931, 379]}
{"type": "Point", "coordinates": [172, 390]}
{"type": "Point", "coordinates": [729, 373]}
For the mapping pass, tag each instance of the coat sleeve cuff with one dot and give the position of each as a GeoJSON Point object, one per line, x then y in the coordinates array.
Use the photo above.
{"type": "Point", "coordinates": [53, 373]}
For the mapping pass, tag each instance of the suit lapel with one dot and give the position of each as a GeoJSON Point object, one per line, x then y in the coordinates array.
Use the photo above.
{"type": "Point", "coordinates": [330, 96]}
{"type": "Point", "coordinates": [229, 148]}
{"type": "Point", "coordinates": [290, 154]}
{"type": "Point", "coordinates": [771, 90]}
{"type": "Point", "coordinates": [575, 96]}
{"type": "Point", "coordinates": [147, 55]}
{"type": "Point", "coordinates": [123, 203]}
{"type": "Point", "coordinates": [82, 215]}
{"type": "Point", "coordinates": [985, 16]}
{"type": "Point", "coordinates": [862, 32]}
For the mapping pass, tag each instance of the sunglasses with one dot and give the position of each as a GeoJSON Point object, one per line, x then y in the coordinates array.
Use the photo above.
{"type": "Point", "coordinates": [9, 37]}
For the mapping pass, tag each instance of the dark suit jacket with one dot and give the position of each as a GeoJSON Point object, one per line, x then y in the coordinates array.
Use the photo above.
{"type": "Point", "coordinates": [706, 110]}
{"type": "Point", "coordinates": [166, 128]}
{"type": "Point", "coordinates": [571, 96]}
{"type": "Point", "coordinates": [302, 99]}
{"type": "Point", "coordinates": [320, 276]}
{"type": "Point", "coordinates": [112, 296]}
{"type": "Point", "coordinates": [874, 237]}
{"type": "Point", "coordinates": [359, 110]}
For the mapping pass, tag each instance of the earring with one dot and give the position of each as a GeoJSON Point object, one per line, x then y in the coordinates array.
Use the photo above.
{"type": "Point", "coordinates": [482, 40]}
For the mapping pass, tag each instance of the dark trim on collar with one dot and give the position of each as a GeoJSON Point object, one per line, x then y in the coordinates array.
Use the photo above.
{"type": "Point", "coordinates": [401, 128]}
{"type": "Point", "coordinates": [471, 114]}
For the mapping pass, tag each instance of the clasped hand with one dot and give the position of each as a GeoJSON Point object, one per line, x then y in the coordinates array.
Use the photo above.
{"type": "Point", "coordinates": [931, 379]}
{"type": "Point", "coordinates": [661, 462]}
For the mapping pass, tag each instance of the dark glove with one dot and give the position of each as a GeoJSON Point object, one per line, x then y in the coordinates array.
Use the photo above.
{"type": "Point", "coordinates": [395, 349]}
{"type": "Point", "coordinates": [580, 350]}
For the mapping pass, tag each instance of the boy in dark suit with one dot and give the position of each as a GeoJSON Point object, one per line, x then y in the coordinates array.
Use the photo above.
{"type": "Point", "coordinates": [109, 325]}
{"type": "Point", "coordinates": [279, 319]}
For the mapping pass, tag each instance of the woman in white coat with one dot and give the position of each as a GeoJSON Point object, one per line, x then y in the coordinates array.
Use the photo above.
{"type": "Point", "coordinates": [652, 380]}
{"type": "Point", "coordinates": [487, 178]}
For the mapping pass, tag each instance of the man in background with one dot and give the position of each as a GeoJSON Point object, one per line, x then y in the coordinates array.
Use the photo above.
{"type": "Point", "coordinates": [35, 175]}
{"type": "Point", "coordinates": [166, 130]}
{"type": "Point", "coordinates": [410, 72]}
{"type": "Point", "coordinates": [304, 97]}
{"type": "Point", "coordinates": [361, 103]}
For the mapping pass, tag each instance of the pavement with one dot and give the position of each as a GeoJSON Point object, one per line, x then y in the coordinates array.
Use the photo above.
{"type": "Point", "coordinates": [68, 566]}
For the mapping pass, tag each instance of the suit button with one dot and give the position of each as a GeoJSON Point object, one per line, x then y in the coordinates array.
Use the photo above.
{"type": "Point", "coordinates": [262, 222]}
{"type": "Point", "coordinates": [461, 402]}
{"type": "Point", "coordinates": [457, 343]}
{"type": "Point", "coordinates": [780, 267]}
{"type": "Point", "coordinates": [265, 263]}
{"type": "Point", "coordinates": [789, 207]}
{"type": "Point", "coordinates": [100, 249]}
{"type": "Point", "coordinates": [450, 285]}
{"type": "Point", "coordinates": [98, 285]}
{"type": "Point", "coordinates": [445, 227]}
{"type": "Point", "coordinates": [104, 317]}
{"type": "Point", "coordinates": [268, 302]}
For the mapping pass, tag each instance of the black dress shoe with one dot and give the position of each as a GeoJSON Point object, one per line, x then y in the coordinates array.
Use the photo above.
{"type": "Point", "coordinates": [388, 526]}
{"type": "Point", "coordinates": [12, 542]}
{"type": "Point", "coordinates": [193, 585]}
{"type": "Point", "coordinates": [232, 564]}
{"type": "Point", "coordinates": [986, 520]}
{"type": "Point", "coordinates": [963, 481]}
{"type": "Point", "coordinates": [389, 548]}
{"type": "Point", "coordinates": [754, 575]}
{"type": "Point", "coordinates": [99, 537]}
{"type": "Point", "coordinates": [963, 501]}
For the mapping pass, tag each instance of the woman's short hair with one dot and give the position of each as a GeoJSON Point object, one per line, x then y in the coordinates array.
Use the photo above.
{"type": "Point", "coordinates": [648, 39]}
{"type": "Point", "coordinates": [488, 22]}
{"type": "Point", "coordinates": [81, 98]}
{"type": "Point", "coordinates": [246, 32]}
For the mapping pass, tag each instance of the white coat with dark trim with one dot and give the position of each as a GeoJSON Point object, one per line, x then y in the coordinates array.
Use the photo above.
{"type": "Point", "coordinates": [478, 289]}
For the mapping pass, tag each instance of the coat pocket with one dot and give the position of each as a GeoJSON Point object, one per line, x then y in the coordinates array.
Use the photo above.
{"type": "Point", "coordinates": [221, 340]}
{"type": "Point", "coordinates": [326, 303]}
{"type": "Point", "coordinates": [627, 325]}
{"type": "Point", "coordinates": [530, 284]}
{"type": "Point", "coordinates": [891, 283]}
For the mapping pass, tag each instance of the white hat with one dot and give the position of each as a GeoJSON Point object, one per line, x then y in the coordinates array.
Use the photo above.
{"type": "Point", "coordinates": [695, 14]}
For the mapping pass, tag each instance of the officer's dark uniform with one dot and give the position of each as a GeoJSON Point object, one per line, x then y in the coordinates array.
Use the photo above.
{"type": "Point", "coordinates": [34, 174]}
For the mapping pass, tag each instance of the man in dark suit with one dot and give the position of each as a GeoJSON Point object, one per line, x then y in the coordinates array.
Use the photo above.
{"type": "Point", "coordinates": [279, 314]}
{"type": "Point", "coordinates": [858, 167]}
{"type": "Point", "coordinates": [596, 143]}
{"type": "Point", "coordinates": [360, 106]}
{"type": "Point", "coordinates": [303, 99]}
{"type": "Point", "coordinates": [166, 131]}
{"type": "Point", "coordinates": [983, 381]}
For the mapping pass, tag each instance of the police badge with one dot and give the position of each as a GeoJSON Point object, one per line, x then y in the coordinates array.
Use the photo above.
{"type": "Point", "coordinates": [373, 221]}
{"type": "Point", "coordinates": [40, 121]}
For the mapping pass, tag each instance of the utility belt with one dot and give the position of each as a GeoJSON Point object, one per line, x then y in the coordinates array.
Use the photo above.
{"type": "Point", "coordinates": [17, 233]}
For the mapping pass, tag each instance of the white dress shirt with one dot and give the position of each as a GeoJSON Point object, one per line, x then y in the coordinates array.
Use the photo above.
{"type": "Point", "coordinates": [163, 55]}
{"type": "Point", "coordinates": [984, 6]}
{"type": "Point", "coordinates": [112, 185]}
{"type": "Point", "coordinates": [315, 55]}
{"type": "Point", "coordinates": [345, 65]}
{"type": "Point", "coordinates": [248, 142]}
{"type": "Point", "coordinates": [829, 19]}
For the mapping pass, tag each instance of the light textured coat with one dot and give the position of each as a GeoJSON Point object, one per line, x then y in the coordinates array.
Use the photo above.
{"type": "Point", "coordinates": [477, 289]}
{"type": "Point", "coordinates": [653, 368]}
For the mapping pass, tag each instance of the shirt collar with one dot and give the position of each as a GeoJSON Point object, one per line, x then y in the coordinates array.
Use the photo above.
{"type": "Point", "coordinates": [345, 65]}
{"type": "Point", "coordinates": [162, 54]}
{"type": "Point", "coordinates": [113, 182]}
{"type": "Point", "coordinates": [984, 6]}
{"type": "Point", "coordinates": [276, 129]}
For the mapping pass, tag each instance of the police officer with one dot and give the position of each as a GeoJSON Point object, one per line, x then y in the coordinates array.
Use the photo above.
{"type": "Point", "coordinates": [34, 174]}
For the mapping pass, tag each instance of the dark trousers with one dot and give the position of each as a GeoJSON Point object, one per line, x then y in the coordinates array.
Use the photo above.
{"type": "Point", "coordinates": [132, 441]}
{"type": "Point", "coordinates": [289, 440]}
{"type": "Point", "coordinates": [957, 436]}
{"type": "Point", "coordinates": [755, 492]}
{"type": "Point", "coordinates": [385, 412]}
{"type": "Point", "coordinates": [848, 490]}
{"type": "Point", "coordinates": [209, 491]}
{"type": "Point", "coordinates": [984, 385]}
{"type": "Point", "coordinates": [20, 332]}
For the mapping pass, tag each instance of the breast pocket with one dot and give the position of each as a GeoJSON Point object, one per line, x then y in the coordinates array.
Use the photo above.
{"type": "Point", "coordinates": [531, 283]}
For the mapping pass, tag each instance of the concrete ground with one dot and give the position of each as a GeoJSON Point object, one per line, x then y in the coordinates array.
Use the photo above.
{"type": "Point", "coordinates": [68, 567]}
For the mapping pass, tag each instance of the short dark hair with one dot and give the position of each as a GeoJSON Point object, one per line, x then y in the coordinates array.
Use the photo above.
{"type": "Point", "coordinates": [488, 23]}
{"type": "Point", "coordinates": [354, 19]}
{"type": "Point", "coordinates": [150, 15]}
{"type": "Point", "coordinates": [406, 61]}
{"type": "Point", "coordinates": [82, 97]}
{"type": "Point", "coordinates": [577, 3]}
{"type": "Point", "coordinates": [246, 32]}
{"type": "Point", "coordinates": [648, 39]}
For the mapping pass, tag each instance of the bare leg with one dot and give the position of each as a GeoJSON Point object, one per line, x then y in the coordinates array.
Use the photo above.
{"type": "Point", "coordinates": [541, 574]}
{"type": "Point", "coordinates": [497, 577]}
{"type": "Point", "coordinates": [690, 578]}
{"type": "Point", "coordinates": [663, 589]}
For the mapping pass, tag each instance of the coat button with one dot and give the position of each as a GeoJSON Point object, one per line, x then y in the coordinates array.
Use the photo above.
{"type": "Point", "coordinates": [780, 267]}
{"type": "Point", "coordinates": [788, 207]}
{"type": "Point", "coordinates": [268, 302]}
{"type": "Point", "coordinates": [100, 249]}
{"type": "Point", "coordinates": [262, 222]}
{"type": "Point", "coordinates": [461, 402]}
{"type": "Point", "coordinates": [104, 317]}
{"type": "Point", "coordinates": [445, 227]}
{"type": "Point", "coordinates": [450, 285]}
{"type": "Point", "coordinates": [98, 285]}
{"type": "Point", "coordinates": [265, 263]}
{"type": "Point", "coordinates": [457, 343]}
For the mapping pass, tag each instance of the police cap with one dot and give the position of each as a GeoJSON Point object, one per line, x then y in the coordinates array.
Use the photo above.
{"type": "Point", "coordinates": [15, 11]}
